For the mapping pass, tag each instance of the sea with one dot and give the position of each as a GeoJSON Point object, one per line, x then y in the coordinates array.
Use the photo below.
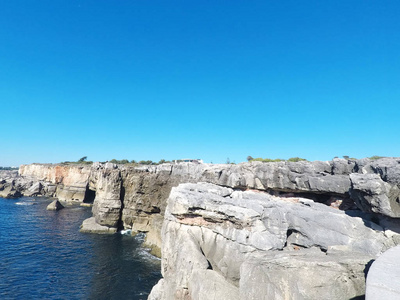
{"type": "Point", "coordinates": [44, 256]}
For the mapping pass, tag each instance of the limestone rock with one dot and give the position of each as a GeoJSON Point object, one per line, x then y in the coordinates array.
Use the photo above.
{"type": "Point", "coordinates": [8, 181]}
{"type": "Point", "coordinates": [65, 182]}
{"type": "Point", "coordinates": [90, 226]}
{"type": "Point", "coordinates": [388, 169]}
{"type": "Point", "coordinates": [383, 281]}
{"type": "Point", "coordinates": [372, 194]}
{"type": "Point", "coordinates": [210, 285]}
{"type": "Point", "coordinates": [107, 204]}
{"type": "Point", "coordinates": [55, 205]}
{"type": "Point", "coordinates": [135, 197]}
{"type": "Point", "coordinates": [233, 237]}
{"type": "Point", "coordinates": [304, 275]}
{"type": "Point", "coordinates": [34, 190]}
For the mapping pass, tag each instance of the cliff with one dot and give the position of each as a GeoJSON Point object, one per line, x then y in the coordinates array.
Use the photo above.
{"type": "Point", "coordinates": [227, 228]}
{"type": "Point", "coordinates": [135, 196]}
{"type": "Point", "coordinates": [227, 244]}
{"type": "Point", "coordinates": [67, 183]}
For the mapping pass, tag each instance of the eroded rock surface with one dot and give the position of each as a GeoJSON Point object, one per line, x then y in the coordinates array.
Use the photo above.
{"type": "Point", "coordinates": [240, 238]}
{"type": "Point", "coordinates": [383, 281]}
{"type": "Point", "coordinates": [8, 181]}
{"type": "Point", "coordinates": [134, 197]}
{"type": "Point", "coordinates": [55, 205]}
{"type": "Point", "coordinates": [65, 182]}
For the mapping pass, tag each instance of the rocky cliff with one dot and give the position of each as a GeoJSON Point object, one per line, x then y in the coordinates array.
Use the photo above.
{"type": "Point", "coordinates": [68, 183]}
{"type": "Point", "coordinates": [243, 223]}
{"type": "Point", "coordinates": [135, 196]}
{"type": "Point", "coordinates": [221, 243]}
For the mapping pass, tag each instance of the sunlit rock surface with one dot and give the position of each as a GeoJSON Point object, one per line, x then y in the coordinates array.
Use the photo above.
{"type": "Point", "coordinates": [258, 246]}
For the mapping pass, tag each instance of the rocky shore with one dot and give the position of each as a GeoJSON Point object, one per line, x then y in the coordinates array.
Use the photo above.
{"type": "Point", "coordinates": [235, 225]}
{"type": "Point", "coordinates": [252, 245]}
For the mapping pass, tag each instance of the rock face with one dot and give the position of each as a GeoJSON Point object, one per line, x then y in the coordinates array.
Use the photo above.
{"type": "Point", "coordinates": [107, 182]}
{"type": "Point", "coordinates": [8, 180]}
{"type": "Point", "coordinates": [331, 276]}
{"type": "Point", "coordinates": [383, 281]}
{"type": "Point", "coordinates": [63, 182]}
{"type": "Point", "coordinates": [134, 197]}
{"type": "Point", "coordinates": [218, 240]}
{"type": "Point", "coordinates": [243, 222]}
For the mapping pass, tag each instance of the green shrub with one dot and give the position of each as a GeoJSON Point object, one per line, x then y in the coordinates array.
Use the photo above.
{"type": "Point", "coordinates": [119, 162]}
{"type": "Point", "coordinates": [267, 159]}
{"type": "Point", "coordinates": [296, 159]}
{"type": "Point", "coordinates": [292, 159]}
{"type": "Point", "coordinates": [375, 157]}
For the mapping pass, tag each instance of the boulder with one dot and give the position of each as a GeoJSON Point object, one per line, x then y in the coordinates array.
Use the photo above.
{"type": "Point", "coordinates": [90, 226]}
{"type": "Point", "coordinates": [55, 205]}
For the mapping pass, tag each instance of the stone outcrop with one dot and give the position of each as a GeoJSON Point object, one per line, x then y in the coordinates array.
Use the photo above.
{"type": "Point", "coordinates": [304, 275]}
{"type": "Point", "coordinates": [65, 182]}
{"type": "Point", "coordinates": [55, 205]}
{"type": "Point", "coordinates": [383, 281]}
{"type": "Point", "coordinates": [134, 197]}
{"type": "Point", "coordinates": [8, 180]}
{"type": "Point", "coordinates": [249, 220]}
{"type": "Point", "coordinates": [107, 182]}
{"type": "Point", "coordinates": [253, 245]}
{"type": "Point", "coordinates": [91, 226]}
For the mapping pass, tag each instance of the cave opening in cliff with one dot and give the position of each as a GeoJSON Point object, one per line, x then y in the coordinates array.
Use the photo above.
{"type": "Point", "coordinates": [89, 196]}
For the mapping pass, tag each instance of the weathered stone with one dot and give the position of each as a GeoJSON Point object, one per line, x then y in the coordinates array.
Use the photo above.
{"type": "Point", "coordinates": [209, 285]}
{"type": "Point", "coordinates": [383, 281]}
{"type": "Point", "coordinates": [137, 198]}
{"type": "Point", "coordinates": [388, 169]}
{"type": "Point", "coordinates": [34, 190]}
{"type": "Point", "coordinates": [107, 204]}
{"type": "Point", "coordinates": [55, 205]}
{"type": "Point", "coordinates": [65, 182]}
{"type": "Point", "coordinates": [304, 275]}
{"type": "Point", "coordinates": [8, 179]}
{"type": "Point", "coordinates": [372, 194]}
{"type": "Point", "coordinates": [90, 226]}
{"type": "Point", "coordinates": [209, 228]}
{"type": "Point", "coordinates": [343, 166]}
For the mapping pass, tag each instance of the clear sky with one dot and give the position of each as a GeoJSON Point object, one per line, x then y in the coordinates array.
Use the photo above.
{"type": "Point", "coordinates": [151, 80]}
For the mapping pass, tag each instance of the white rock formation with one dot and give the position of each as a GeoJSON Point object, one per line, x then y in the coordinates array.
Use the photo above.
{"type": "Point", "coordinates": [219, 241]}
{"type": "Point", "coordinates": [383, 281]}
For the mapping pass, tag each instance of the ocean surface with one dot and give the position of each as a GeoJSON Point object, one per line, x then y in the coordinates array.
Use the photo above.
{"type": "Point", "coordinates": [44, 256]}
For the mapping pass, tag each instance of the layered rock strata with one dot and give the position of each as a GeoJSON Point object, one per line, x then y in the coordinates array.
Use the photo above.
{"type": "Point", "coordinates": [65, 182]}
{"type": "Point", "coordinates": [250, 245]}
{"type": "Point", "coordinates": [134, 197]}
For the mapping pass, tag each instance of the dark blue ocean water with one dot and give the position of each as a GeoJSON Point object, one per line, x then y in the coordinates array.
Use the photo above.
{"type": "Point", "coordinates": [44, 256]}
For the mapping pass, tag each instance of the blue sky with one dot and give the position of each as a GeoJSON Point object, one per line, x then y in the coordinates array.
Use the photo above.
{"type": "Point", "coordinates": [151, 80]}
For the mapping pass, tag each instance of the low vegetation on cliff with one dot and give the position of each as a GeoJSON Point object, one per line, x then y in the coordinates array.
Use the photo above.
{"type": "Point", "coordinates": [292, 159]}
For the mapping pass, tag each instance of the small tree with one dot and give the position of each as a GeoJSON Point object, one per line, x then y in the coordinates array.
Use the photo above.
{"type": "Point", "coordinates": [82, 159]}
{"type": "Point", "coordinates": [249, 158]}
